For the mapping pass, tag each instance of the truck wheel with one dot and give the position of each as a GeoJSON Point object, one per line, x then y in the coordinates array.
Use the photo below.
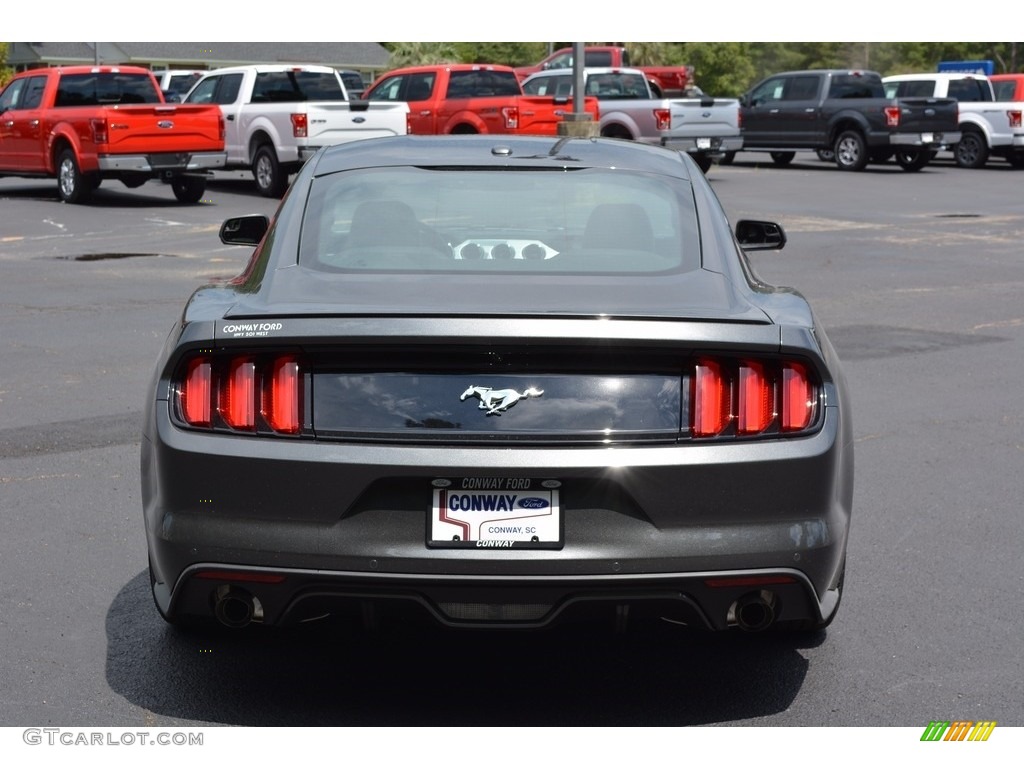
{"type": "Point", "coordinates": [782, 158]}
{"type": "Point", "coordinates": [972, 149]}
{"type": "Point", "coordinates": [851, 151]}
{"type": "Point", "coordinates": [73, 186]}
{"type": "Point", "coordinates": [914, 159]}
{"type": "Point", "coordinates": [188, 189]}
{"type": "Point", "coordinates": [826, 155]}
{"type": "Point", "coordinates": [703, 162]}
{"type": "Point", "coordinates": [270, 180]}
{"type": "Point", "coordinates": [616, 132]}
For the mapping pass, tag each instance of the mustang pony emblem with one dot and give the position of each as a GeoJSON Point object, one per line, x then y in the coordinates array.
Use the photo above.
{"type": "Point", "coordinates": [496, 401]}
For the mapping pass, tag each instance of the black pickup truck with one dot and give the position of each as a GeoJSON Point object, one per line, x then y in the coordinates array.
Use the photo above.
{"type": "Point", "coordinates": [845, 115]}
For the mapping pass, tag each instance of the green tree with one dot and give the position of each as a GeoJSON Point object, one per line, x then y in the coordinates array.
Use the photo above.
{"type": "Point", "coordinates": [413, 54]}
{"type": "Point", "coordinates": [5, 71]}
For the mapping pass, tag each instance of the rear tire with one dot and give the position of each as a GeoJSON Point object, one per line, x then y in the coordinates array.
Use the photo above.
{"type": "Point", "coordinates": [727, 158]}
{"type": "Point", "coordinates": [783, 158]}
{"type": "Point", "coordinates": [73, 186]}
{"type": "Point", "coordinates": [972, 150]}
{"type": "Point", "coordinates": [914, 159]}
{"type": "Point", "coordinates": [188, 189]}
{"type": "Point", "coordinates": [826, 155]}
{"type": "Point", "coordinates": [851, 151]}
{"type": "Point", "coordinates": [703, 162]}
{"type": "Point", "coordinates": [270, 178]}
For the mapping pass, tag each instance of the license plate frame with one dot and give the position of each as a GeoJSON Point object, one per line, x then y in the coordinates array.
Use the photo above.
{"type": "Point", "coordinates": [495, 513]}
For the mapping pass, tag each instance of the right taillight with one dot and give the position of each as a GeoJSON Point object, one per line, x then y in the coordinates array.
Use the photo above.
{"type": "Point", "coordinates": [745, 397]}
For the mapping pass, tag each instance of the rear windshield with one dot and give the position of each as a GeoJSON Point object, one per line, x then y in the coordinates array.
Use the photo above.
{"type": "Point", "coordinates": [857, 86]}
{"type": "Point", "coordinates": [483, 82]}
{"type": "Point", "coordinates": [592, 221]}
{"type": "Point", "coordinates": [273, 87]}
{"type": "Point", "coordinates": [94, 88]}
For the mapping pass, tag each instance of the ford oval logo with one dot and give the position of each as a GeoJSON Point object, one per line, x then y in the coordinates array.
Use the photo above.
{"type": "Point", "coordinates": [165, 124]}
{"type": "Point", "coordinates": [358, 119]}
{"type": "Point", "coordinates": [532, 502]}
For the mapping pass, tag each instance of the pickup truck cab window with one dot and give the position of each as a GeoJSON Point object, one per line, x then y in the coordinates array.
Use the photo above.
{"type": "Point", "coordinates": [216, 89]}
{"type": "Point", "coordinates": [95, 88]}
{"type": "Point", "coordinates": [856, 87]}
{"type": "Point", "coordinates": [769, 90]}
{"type": "Point", "coordinates": [9, 98]}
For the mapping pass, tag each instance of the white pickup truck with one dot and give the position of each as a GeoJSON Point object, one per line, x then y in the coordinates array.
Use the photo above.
{"type": "Point", "coordinates": [988, 127]}
{"type": "Point", "coordinates": [278, 115]}
{"type": "Point", "coordinates": [701, 126]}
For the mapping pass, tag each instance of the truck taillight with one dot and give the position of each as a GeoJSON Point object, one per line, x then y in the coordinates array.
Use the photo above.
{"type": "Point", "coordinates": [408, 123]}
{"type": "Point", "coordinates": [663, 119]}
{"type": "Point", "coordinates": [300, 125]}
{"type": "Point", "coordinates": [100, 132]}
{"type": "Point", "coordinates": [511, 115]}
{"type": "Point", "coordinates": [1014, 115]}
{"type": "Point", "coordinates": [892, 116]}
{"type": "Point", "coordinates": [744, 398]}
{"type": "Point", "coordinates": [739, 117]}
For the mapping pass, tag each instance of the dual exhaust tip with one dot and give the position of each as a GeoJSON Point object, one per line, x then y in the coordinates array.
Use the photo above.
{"type": "Point", "coordinates": [754, 611]}
{"type": "Point", "coordinates": [236, 608]}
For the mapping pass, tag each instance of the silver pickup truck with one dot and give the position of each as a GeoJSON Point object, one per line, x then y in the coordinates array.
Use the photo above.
{"type": "Point", "coordinates": [701, 126]}
{"type": "Point", "coordinates": [278, 115]}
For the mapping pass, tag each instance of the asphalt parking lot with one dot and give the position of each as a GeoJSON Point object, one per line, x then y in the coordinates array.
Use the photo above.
{"type": "Point", "coordinates": [918, 278]}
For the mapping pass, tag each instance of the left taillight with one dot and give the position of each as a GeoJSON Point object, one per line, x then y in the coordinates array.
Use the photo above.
{"type": "Point", "coordinates": [300, 125]}
{"type": "Point", "coordinates": [662, 119]}
{"type": "Point", "coordinates": [100, 130]}
{"type": "Point", "coordinates": [242, 393]}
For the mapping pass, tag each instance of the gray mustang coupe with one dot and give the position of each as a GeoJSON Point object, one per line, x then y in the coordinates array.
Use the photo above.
{"type": "Point", "coordinates": [501, 382]}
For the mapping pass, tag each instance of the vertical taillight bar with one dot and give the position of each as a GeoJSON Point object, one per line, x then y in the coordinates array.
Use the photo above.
{"type": "Point", "coordinates": [711, 398]}
{"type": "Point", "coordinates": [196, 393]}
{"type": "Point", "coordinates": [798, 401]}
{"type": "Point", "coordinates": [282, 396]}
{"type": "Point", "coordinates": [300, 125]}
{"type": "Point", "coordinates": [662, 119]}
{"type": "Point", "coordinates": [756, 399]}
{"type": "Point", "coordinates": [237, 396]}
{"type": "Point", "coordinates": [511, 115]}
{"type": "Point", "coordinates": [892, 117]}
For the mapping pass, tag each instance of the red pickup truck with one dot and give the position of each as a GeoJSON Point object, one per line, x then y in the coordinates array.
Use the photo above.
{"type": "Point", "coordinates": [471, 98]}
{"type": "Point", "coordinates": [664, 81]}
{"type": "Point", "coordinates": [1008, 87]}
{"type": "Point", "coordinates": [84, 124]}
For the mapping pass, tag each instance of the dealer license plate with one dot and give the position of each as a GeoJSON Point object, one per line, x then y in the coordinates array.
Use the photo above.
{"type": "Point", "coordinates": [495, 513]}
{"type": "Point", "coordinates": [703, 143]}
{"type": "Point", "coordinates": [927, 138]}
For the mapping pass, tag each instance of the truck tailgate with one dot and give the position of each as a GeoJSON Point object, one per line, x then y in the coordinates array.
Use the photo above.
{"type": "Point", "coordinates": [337, 123]}
{"type": "Point", "coordinates": [924, 114]}
{"type": "Point", "coordinates": [149, 128]}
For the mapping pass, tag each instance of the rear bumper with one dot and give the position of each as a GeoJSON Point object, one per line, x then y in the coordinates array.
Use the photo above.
{"type": "Point", "coordinates": [715, 145]}
{"type": "Point", "coordinates": [328, 523]}
{"type": "Point", "coordinates": [931, 140]}
{"type": "Point", "coordinates": [162, 163]}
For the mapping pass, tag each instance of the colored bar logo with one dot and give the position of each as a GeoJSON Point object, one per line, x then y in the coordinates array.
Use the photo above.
{"type": "Point", "coordinates": [958, 730]}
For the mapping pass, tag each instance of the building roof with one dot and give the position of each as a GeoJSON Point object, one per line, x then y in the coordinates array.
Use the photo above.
{"type": "Point", "coordinates": [367, 57]}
